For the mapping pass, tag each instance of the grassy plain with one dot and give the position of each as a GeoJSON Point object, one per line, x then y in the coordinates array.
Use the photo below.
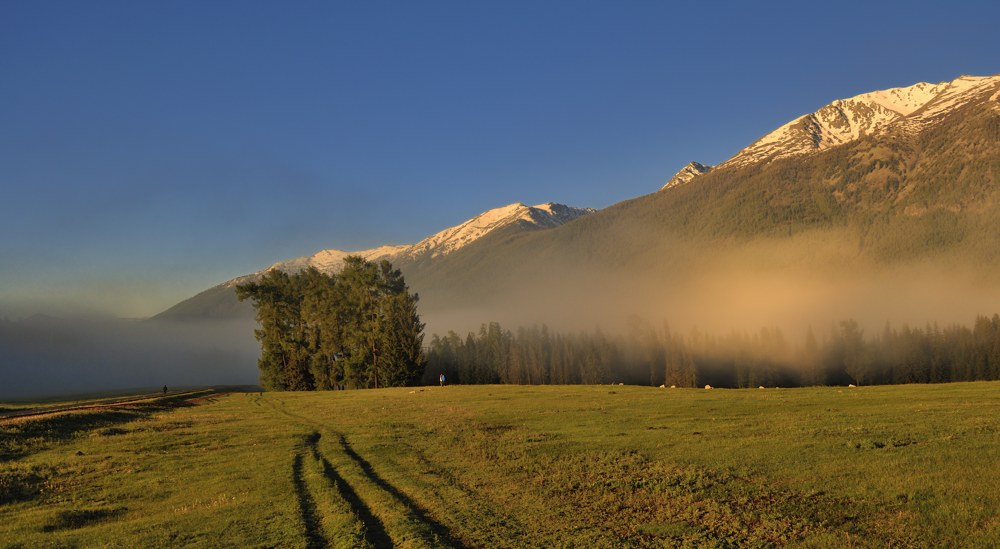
{"type": "Point", "coordinates": [514, 466]}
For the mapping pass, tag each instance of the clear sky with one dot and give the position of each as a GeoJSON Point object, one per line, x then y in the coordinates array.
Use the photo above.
{"type": "Point", "coordinates": [150, 150]}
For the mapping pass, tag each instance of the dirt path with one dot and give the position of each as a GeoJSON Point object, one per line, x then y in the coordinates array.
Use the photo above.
{"type": "Point", "coordinates": [104, 403]}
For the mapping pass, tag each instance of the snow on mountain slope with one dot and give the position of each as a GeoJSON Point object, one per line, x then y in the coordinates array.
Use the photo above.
{"type": "Point", "coordinates": [908, 109]}
{"type": "Point", "coordinates": [904, 100]}
{"type": "Point", "coordinates": [440, 244]}
{"type": "Point", "coordinates": [686, 174]}
{"type": "Point", "coordinates": [452, 239]}
{"type": "Point", "coordinates": [961, 91]}
{"type": "Point", "coordinates": [332, 260]}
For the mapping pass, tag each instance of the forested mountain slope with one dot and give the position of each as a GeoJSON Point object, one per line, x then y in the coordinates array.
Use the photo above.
{"type": "Point", "coordinates": [886, 205]}
{"type": "Point", "coordinates": [921, 202]}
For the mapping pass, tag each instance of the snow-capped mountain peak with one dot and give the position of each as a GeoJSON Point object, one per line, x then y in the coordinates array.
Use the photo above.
{"type": "Point", "coordinates": [445, 242]}
{"type": "Point", "coordinates": [332, 260]}
{"type": "Point", "coordinates": [904, 101]}
{"type": "Point", "coordinates": [455, 238]}
{"type": "Point", "coordinates": [908, 109]}
{"type": "Point", "coordinates": [686, 174]}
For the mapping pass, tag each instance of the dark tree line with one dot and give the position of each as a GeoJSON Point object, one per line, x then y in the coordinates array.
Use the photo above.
{"type": "Point", "coordinates": [531, 356]}
{"type": "Point", "coordinates": [659, 356]}
{"type": "Point", "coordinates": [355, 329]}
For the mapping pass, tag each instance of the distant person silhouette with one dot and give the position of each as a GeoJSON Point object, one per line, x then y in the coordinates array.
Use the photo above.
{"type": "Point", "coordinates": [441, 379]}
{"type": "Point", "coordinates": [164, 390]}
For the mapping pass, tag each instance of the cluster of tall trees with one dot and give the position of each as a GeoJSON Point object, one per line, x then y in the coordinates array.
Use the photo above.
{"type": "Point", "coordinates": [657, 355]}
{"type": "Point", "coordinates": [355, 329]}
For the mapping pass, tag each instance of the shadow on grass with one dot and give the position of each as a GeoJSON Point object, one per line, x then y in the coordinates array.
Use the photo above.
{"type": "Point", "coordinates": [22, 483]}
{"type": "Point", "coordinates": [439, 530]}
{"type": "Point", "coordinates": [25, 436]}
{"type": "Point", "coordinates": [78, 518]}
{"type": "Point", "coordinates": [378, 535]}
{"type": "Point", "coordinates": [375, 532]}
{"type": "Point", "coordinates": [307, 507]}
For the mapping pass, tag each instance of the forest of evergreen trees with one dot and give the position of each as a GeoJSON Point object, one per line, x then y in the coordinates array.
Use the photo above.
{"type": "Point", "coordinates": [648, 355]}
{"type": "Point", "coordinates": [360, 328]}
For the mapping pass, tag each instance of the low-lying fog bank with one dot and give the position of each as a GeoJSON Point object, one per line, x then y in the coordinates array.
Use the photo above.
{"type": "Point", "coordinates": [45, 356]}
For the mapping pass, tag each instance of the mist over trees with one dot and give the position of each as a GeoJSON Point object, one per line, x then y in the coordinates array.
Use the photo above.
{"type": "Point", "coordinates": [355, 329]}
{"type": "Point", "coordinates": [651, 355]}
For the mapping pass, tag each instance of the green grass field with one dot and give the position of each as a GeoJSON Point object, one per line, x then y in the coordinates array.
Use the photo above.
{"type": "Point", "coordinates": [514, 466]}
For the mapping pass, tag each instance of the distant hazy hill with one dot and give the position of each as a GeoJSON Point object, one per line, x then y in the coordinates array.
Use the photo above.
{"type": "Point", "coordinates": [884, 204]}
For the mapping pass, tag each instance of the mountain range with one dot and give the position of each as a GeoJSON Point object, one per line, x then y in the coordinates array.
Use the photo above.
{"type": "Point", "coordinates": [873, 202]}
{"type": "Point", "coordinates": [219, 301]}
{"type": "Point", "coordinates": [543, 216]}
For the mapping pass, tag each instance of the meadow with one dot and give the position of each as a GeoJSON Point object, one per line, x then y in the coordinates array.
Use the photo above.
{"type": "Point", "coordinates": [513, 466]}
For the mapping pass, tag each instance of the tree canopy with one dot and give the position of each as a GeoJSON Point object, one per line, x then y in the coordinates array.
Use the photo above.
{"type": "Point", "coordinates": [355, 329]}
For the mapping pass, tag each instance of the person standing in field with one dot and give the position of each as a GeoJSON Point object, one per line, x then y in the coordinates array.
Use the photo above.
{"type": "Point", "coordinates": [164, 390]}
{"type": "Point", "coordinates": [441, 379]}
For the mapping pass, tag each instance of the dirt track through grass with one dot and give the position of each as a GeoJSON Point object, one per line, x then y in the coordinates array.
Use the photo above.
{"type": "Point", "coordinates": [393, 504]}
{"type": "Point", "coordinates": [374, 531]}
{"type": "Point", "coordinates": [307, 507]}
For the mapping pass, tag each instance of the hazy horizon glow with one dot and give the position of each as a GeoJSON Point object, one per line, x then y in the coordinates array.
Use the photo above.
{"type": "Point", "coordinates": [151, 150]}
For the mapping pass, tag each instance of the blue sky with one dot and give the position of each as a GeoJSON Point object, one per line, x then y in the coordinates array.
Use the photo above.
{"type": "Point", "coordinates": [149, 150]}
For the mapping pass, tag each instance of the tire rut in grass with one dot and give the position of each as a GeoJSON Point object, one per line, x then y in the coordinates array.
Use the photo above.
{"type": "Point", "coordinates": [438, 530]}
{"type": "Point", "coordinates": [375, 532]}
{"type": "Point", "coordinates": [473, 507]}
{"type": "Point", "coordinates": [307, 506]}
{"type": "Point", "coordinates": [442, 532]}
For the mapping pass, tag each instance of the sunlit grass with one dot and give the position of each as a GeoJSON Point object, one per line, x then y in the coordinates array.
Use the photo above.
{"type": "Point", "coordinates": [514, 466]}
